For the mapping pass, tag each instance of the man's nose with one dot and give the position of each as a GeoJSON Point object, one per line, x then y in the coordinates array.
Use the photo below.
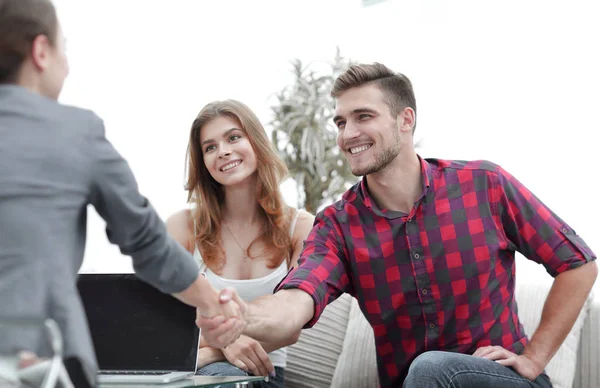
{"type": "Point", "coordinates": [350, 131]}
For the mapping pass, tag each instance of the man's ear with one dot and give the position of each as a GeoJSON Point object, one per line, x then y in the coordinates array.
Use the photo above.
{"type": "Point", "coordinates": [40, 52]}
{"type": "Point", "coordinates": [405, 121]}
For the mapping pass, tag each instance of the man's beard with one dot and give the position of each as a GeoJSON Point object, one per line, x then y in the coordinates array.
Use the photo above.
{"type": "Point", "coordinates": [385, 157]}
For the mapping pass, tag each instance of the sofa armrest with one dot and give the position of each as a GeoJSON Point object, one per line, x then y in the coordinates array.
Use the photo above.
{"type": "Point", "coordinates": [357, 365]}
{"type": "Point", "coordinates": [588, 355]}
{"type": "Point", "coordinates": [312, 360]}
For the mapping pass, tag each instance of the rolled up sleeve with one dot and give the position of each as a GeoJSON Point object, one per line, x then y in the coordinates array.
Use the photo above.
{"type": "Point", "coordinates": [321, 272]}
{"type": "Point", "coordinates": [536, 232]}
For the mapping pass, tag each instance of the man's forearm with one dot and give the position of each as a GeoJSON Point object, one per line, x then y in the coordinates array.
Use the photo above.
{"type": "Point", "coordinates": [279, 317]}
{"type": "Point", "coordinates": [564, 302]}
{"type": "Point", "coordinates": [270, 346]}
{"type": "Point", "coordinates": [200, 294]}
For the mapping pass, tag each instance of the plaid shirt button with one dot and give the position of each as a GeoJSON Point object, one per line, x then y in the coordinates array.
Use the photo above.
{"type": "Point", "coordinates": [424, 291]}
{"type": "Point", "coordinates": [416, 256]}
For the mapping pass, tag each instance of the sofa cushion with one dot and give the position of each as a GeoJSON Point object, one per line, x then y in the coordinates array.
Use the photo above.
{"type": "Point", "coordinates": [357, 365]}
{"type": "Point", "coordinates": [312, 360]}
{"type": "Point", "coordinates": [530, 300]}
{"type": "Point", "coordinates": [588, 359]}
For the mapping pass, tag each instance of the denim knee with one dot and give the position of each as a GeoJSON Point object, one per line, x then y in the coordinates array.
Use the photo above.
{"type": "Point", "coordinates": [432, 369]}
{"type": "Point", "coordinates": [221, 368]}
{"type": "Point", "coordinates": [428, 362]}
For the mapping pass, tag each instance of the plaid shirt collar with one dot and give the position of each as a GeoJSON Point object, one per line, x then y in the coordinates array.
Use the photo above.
{"type": "Point", "coordinates": [363, 192]}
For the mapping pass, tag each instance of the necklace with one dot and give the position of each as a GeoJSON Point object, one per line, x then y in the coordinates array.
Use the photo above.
{"type": "Point", "coordinates": [244, 251]}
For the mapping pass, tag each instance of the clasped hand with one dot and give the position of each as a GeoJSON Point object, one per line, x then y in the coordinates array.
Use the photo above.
{"type": "Point", "coordinates": [224, 321]}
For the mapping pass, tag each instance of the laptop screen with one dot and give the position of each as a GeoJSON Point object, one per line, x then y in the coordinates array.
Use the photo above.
{"type": "Point", "coordinates": [136, 327]}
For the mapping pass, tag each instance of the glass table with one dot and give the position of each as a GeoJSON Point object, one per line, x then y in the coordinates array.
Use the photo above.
{"type": "Point", "coordinates": [196, 381]}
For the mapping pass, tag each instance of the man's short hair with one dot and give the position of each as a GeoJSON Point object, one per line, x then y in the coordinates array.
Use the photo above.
{"type": "Point", "coordinates": [396, 86]}
{"type": "Point", "coordinates": [21, 21]}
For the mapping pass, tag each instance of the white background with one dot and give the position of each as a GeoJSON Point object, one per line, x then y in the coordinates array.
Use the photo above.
{"type": "Point", "coordinates": [514, 82]}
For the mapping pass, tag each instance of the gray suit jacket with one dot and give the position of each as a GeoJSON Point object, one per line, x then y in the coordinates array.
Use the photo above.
{"type": "Point", "coordinates": [54, 162]}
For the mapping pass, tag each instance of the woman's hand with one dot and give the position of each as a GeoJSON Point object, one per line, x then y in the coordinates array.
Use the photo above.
{"type": "Point", "coordinates": [249, 355]}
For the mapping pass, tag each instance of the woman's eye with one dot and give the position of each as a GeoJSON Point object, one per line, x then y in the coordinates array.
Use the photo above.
{"type": "Point", "coordinates": [209, 148]}
{"type": "Point", "coordinates": [363, 116]}
{"type": "Point", "coordinates": [234, 137]}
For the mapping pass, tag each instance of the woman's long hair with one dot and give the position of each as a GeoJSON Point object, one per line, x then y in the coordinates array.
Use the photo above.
{"type": "Point", "coordinates": [208, 195]}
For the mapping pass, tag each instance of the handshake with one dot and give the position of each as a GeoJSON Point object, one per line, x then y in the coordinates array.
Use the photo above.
{"type": "Point", "coordinates": [224, 321]}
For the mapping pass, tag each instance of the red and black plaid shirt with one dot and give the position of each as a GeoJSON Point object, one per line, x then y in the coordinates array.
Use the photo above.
{"type": "Point", "coordinates": [443, 276]}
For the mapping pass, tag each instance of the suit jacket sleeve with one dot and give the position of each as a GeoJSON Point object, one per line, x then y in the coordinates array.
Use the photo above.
{"type": "Point", "coordinates": [131, 221]}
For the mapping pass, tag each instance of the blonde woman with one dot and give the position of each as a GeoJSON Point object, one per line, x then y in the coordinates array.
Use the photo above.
{"type": "Point", "coordinates": [239, 228]}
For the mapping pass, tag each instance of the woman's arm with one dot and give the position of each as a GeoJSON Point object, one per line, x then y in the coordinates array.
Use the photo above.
{"type": "Point", "coordinates": [303, 227]}
{"type": "Point", "coordinates": [208, 355]}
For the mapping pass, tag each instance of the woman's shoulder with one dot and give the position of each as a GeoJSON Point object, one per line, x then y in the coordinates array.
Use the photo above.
{"type": "Point", "coordinates": [304, 222]}
{"type": "Point", "coordinates": [304, 216]}
{"type": "Point", "coordinates": [182, 217]}
{"type": "Point", "coordinates": [181, 226]}
{"type": "Point", "coordinates": [303, 226]}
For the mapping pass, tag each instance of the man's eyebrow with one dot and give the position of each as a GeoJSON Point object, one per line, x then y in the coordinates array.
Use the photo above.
{"type": "Point", "coordinates": [354, 112]}
{"type": "Point", "coordinates": [362, 110]}
{"type": "Point", "coordinates": [224, 135]}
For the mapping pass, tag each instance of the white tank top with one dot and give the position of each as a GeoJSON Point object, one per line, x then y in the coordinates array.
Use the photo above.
{"type": "Point", "coordinates": [250, 289]}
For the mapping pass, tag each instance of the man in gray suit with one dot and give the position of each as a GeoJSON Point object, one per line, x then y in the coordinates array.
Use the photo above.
{"type": "Point", "coordinates": [54, 161]}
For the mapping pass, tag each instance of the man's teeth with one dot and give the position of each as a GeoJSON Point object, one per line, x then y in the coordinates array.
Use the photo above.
{"type": "Point", "coordinates": [230, 166]}
{"type": "Point", "coordinates": [356, 150]}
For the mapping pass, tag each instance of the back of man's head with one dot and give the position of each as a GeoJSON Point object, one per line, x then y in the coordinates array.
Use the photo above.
{"type": "Point", "coordinates": [21, 21]}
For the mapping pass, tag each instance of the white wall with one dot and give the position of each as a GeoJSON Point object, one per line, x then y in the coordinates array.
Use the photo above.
{"type": "Point", "coordinates": [515, 82]}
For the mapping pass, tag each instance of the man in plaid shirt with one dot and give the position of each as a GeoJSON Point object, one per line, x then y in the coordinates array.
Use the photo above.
{"type": "Point", "coordinates": [427, 247]}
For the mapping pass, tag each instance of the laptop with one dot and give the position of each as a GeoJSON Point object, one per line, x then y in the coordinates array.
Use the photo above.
{"type": "Point", "coordinates": [141, 336]}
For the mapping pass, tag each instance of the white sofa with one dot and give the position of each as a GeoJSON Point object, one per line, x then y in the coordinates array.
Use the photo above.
{"type": "Point", "coordinates": [339, 351]}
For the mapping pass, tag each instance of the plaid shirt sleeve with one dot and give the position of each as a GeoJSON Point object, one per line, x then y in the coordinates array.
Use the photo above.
{"type": "Point", "coordinates": [536, 232]}
{"type": "Point", "coordinates": [321, 271]}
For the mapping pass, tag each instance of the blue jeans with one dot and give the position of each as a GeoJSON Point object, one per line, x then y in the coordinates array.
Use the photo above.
{"type": "Point", "coordinates": [223, 368]}
{"type": "Point", "coordinates": [436, 369]}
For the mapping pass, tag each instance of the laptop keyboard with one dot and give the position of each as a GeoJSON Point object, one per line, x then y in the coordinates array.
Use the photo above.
{"type": "Point", "coordinates": [134, 373]}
